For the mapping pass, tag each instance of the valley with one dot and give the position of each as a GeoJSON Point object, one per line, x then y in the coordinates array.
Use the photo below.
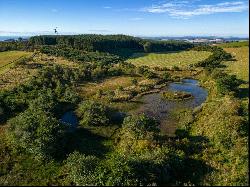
{"type": "Point", "coordinates": [119, 110]}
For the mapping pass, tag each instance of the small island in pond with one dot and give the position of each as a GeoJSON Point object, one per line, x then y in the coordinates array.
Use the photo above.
{"type": "Point", "coordinates": [176, 95]}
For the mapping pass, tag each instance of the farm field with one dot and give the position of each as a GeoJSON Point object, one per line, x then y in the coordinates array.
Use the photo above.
{"type": "Point", "coordinates": [180, 59]}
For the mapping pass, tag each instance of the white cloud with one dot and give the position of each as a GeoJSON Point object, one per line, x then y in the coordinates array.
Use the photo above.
{"type": "Point", "coordinates": [107, 7]}
{"type": "Point", "coordinates": [185, 9]}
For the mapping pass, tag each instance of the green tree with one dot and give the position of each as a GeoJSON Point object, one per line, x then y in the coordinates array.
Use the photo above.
{"type": "Point", "coordinates": [134, 81]}
{"type": "Point", "coordinates": [140, 125]}
{"type": "Point", "coordinates": [166, 76]}
{"type": "Point", "coordinates": [93, 113]}
{"type": "Point", "coordinates": [36, 132]}
{"type": "Point", "coordinates": [81, 168]}
{"type": "Point", "coordinates": [147, 47]}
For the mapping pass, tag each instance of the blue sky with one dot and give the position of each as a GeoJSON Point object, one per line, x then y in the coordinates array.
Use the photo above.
{"type": "Point", "coordinates": [133, 17]}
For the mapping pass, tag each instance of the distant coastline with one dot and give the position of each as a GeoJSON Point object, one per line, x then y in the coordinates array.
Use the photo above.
{"type": "Point", "coordinates": [3, 38]}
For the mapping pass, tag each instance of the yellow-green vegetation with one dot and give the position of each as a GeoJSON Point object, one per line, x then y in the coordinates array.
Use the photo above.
{"type": "Point", "coordinates": [91, 88]}
{"type": "Point", "coordinates": [44, 59]}
{"type": "Point", "coordinates": [106, 145]}
{"type": "Point", "coordinates": [234, 44]}
{"type": "Point", "coordinates": [9, 56]}
{"type": "Point", "coordinates": [240, 67]}
{"type": "Point", "coordinates": [6, 58]}
{"type": "Point", "coordinates": [171, 95]}
{"type": "Point", "coordinates": [225, 128]}
{"type": "Point", "coordinates": [179, 59]}
{"type": "Point", "coordinates": [14, 74]}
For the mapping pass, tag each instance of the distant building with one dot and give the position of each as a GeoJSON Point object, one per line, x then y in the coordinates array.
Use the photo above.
{"type": "Point", "coordinates": [205, 40]}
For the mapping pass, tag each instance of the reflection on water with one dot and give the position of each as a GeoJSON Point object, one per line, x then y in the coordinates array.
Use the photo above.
{"type": "Point", "coordinates": [160, 109]}
{"type": "Point", "coordinates": [70, 118]}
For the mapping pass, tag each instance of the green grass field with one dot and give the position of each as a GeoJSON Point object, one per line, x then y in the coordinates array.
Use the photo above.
{"type": "Point", "coordinates": [179, 59]}
{"type": "Point", "coordinates": [234, 44]}
{"type": "Point", "coordinates": [240, 67]}
{"type": "Point", "coordinates": [6, 59]}
{"type": "Point", "coordinates": [9, 56]}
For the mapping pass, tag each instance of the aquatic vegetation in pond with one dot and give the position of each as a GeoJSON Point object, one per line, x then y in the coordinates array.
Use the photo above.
{"type": "Point", "coordinates": [160, 109]}
{"type": "Point", "coordinates": [176, 95]}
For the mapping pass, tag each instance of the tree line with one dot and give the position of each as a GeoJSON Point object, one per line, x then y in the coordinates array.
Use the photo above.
{"type": "Point", "coordinates": [115, 44]}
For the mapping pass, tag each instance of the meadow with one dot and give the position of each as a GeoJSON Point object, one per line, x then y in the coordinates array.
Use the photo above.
{"type": "Point", "coordinates": [9, 56]}
{"type": "Point", "coordinates": [6, 58]}
{"type": "Point", "coordinates": [170, 59]}
{"type": "Point", "coordinates": [240, 67]}
{"type": "Point", "coordinates": [234, 44]}
{"type": "Point", "coordinates": [113, 83]}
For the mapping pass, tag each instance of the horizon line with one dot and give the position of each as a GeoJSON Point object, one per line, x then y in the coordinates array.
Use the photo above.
{"type": "Point", "coordinates": [135, 35]}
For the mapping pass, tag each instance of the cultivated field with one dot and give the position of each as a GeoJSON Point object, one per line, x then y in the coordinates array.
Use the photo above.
{"type": "Point", "coordinates": [179, 59]}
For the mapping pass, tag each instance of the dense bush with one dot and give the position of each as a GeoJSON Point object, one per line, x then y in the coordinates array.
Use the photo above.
{"type": "Point", "coordinates": [146, 72]}
{"type": "Point", "coordinates": [36, 132]}
{"type": "Point", "coordinates": [93, 114]}
{"type": "Point", "coordinates": [81, 168]}
{"type": "Point", "coordinates": [138, 133]}
{"type": "Point", "coordinates": [140, 126]}
{"type": "Point", "coordinates": [81, 56]}
{"type": "Point", "coordinates": [214, 60]}
{"type": "Point", "coordinates": [227, 83]}
{"type": "Point", "coordinates": [14, 45]}
{"type": "Point", "coordinates": [150, 168]}
{"type": "Point", "coordinates": [54, 82]}
{"type": "Point", "coordinates": [166, 76]}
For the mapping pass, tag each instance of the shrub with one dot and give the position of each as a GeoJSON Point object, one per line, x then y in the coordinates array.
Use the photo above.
{"type": "Point", "coordinates": [70, 95]}
{"type": "Point", "coordinates": [176, 68]}
{"type": "Point", "coordinates": [140, 125]}
{"type": "Point", "coordinates": [93, 113]}
{"type": "Point", "coordinates": [36, 132]}
{"type": "Point", "coordinates": [145, 71]}
{"type": "Point", "coordinates": [166, 76]}
{"type": "Point", "coordinates": [80, 169]}
{"type": "Point", "coordinates": [227, 83]}
{"type": "Point", "coordinates": [181, 95]}
{"type": "Point", "coordinates": [149, 168]}
{"type": "Point", "coordinates": [134, 81]}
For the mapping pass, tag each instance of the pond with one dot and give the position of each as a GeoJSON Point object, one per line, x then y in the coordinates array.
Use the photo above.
{"type": "Point", "coordinates": [70, 118]}
{"type": "Point", "coordinates": [155, 106]}
{"type": "Point", "coordinates": [160, 109]}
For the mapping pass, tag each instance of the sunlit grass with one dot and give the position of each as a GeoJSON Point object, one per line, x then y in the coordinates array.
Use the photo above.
{"type": "Point", "coordinates": [240, 67]}
{"type": "Point", "coordinates": [179, 59]}
{"type": "Point", "coordinates": [113, 83]}
{"type": "Point", "coordinates": [6, 59]}
{"type": "Point", "coordinates": [9, 56]}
